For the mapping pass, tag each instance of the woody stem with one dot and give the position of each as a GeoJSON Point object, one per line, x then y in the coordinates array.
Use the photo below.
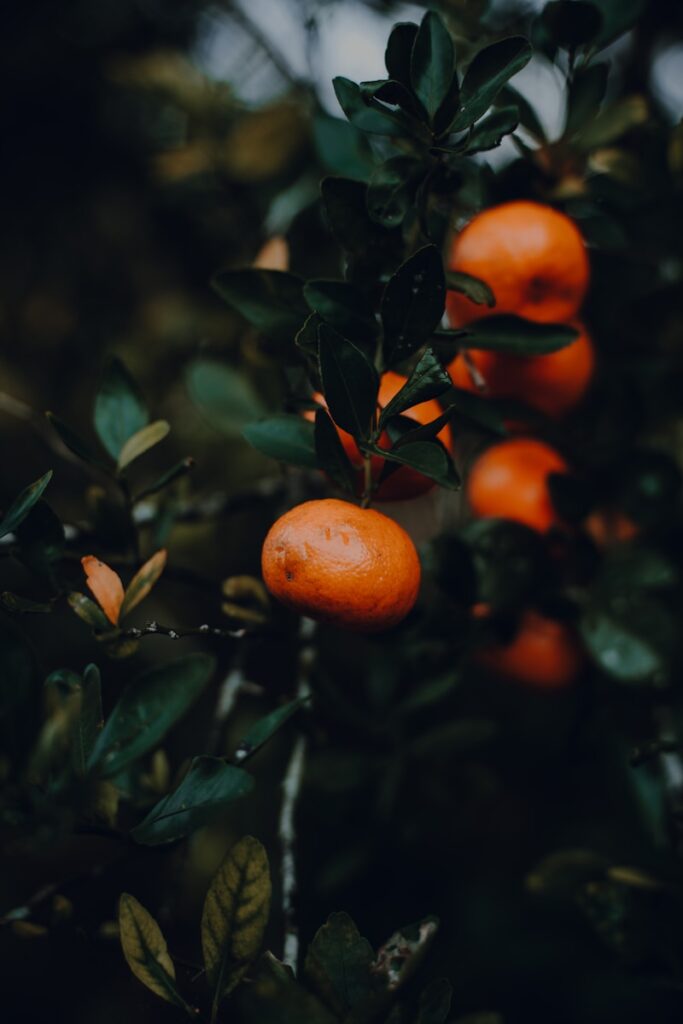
{"type": "Point", "coordinates": [367, 481]}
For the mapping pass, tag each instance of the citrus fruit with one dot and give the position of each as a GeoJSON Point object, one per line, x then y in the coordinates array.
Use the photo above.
{"type": "Point", "coordinates": [551, 383]}
{"type": "Point", "coordinates": [608, 526]}
{"type": "Point", "coordinates": [544, 653]}
{"type": "Point", "coordinates": [404, 482]}
{"type": "Point", "coordinates": [341, 564]}
{"type": "Point", "coordinates": [510, 480]}
{"type": "Point", "coordinates": [532, 257]}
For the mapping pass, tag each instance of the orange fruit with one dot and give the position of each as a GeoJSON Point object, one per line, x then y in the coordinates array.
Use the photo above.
{"type": "Point", "coordinates": [533, 258]}
{"type": "Point", "coordinates": [342, 564]}
{"type": "Point", "coordinates": [544, 653]}
{"type": "Point", "coordinates": [552, 383]}
{"type": "Point", "coordinates": [510, 481]}
{"type": "Point", "coordinates": [404, 482]}
{"type": "Point", "coordinates": [610, 526]}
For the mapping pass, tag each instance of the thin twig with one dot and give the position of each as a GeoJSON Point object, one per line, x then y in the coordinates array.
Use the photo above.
{"type": "Point", "coordinates": [227, 697]}
{"type": "Point", "coordinates": [156, 629]}
{"type": "Point", "coordinates": [291, 788]}
{"type": "Point", "coordinates": [476, 377]}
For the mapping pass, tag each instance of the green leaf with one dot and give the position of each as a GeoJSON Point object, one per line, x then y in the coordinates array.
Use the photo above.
{"type": "Point", "coordinates": [23, 503]}
{"type": "Point", "coordinates": [475, 289]}
{"type": "Point", "coordinates": [73, 442]}
{"type": "Point", "coordinates": [566, 24]}
{"type": "Point", "coordinates": [146, 952]}
{"type": "Point", "coordinates": [141, 442]}
{"type": "Point", "coordinates": [174, 473]}
{"type": "Point", "coordinates": [345, 206]}
{"type": "Point", "coordinates": [120, 410]}
{"type": "Point", "coordinates": [632, 636]}
{"type": "Point", "coordinates": [389, 190]}
{"type": "Point", "coordinates": [147, 709]}
{"type": "Point", "coordinates": [338, 965]}
{"type": "Point", "coordinates": [86, 693]}
{"type": "Point", "coordinates": [235, 916]}
{"type": "Point", "coordinates": [344, 307]}
{"type": "Point", "coordinates": [428, 457]}
{"type": "Point", "coordinates": [89, 612]}
{"type": "Point", "coordinates": [368, 117]}
{"type": "Point", "coordinates": [428, 380]}
{"type": "Point", "coordinates": [394, 93]}
{"type": "Point", "coordinates": [413, 304]}
{"type": "Point", "coordinates": [586, 93]}
{"type": "Point", "coordinates": [516, 335]}
{"type": "Point", "coordinates": [490, 132]}
{"type": "Point", "coordinates": [287, 438]}
{"type": "Point", "coordinates": [273, 997]}
{"type": "Point", "coordinates": [435, 1002]}
{"type": "Point", "coordinates": [350, 382]}
{"type": "Point", "coordinates": [341, 148]}
{"type": "Point", "coordinates": [612, 122]}
{"type": "Point", "coordinates": [142, 583]}
{"type": "Point", "coordinates": [432, 63]}
{"type": "Point", "coordinates": [19, 605]}
{"type": "Point", "coordinates": [261, 732]}
{"type": "Point", "coordinates": [331, 455]}
{"type": "Point", "coordinates": [397, 57]}
{"type": "Point", "coordinates": [272, 301]}
{"type": "Point", "coordinates": [618, 16]}
{"type": "Point", "coordinates": [223, 395]}
{"type": "Point", "coordinates": [208, 787]}
{"type": "Point", "coordinates": [487, 74]}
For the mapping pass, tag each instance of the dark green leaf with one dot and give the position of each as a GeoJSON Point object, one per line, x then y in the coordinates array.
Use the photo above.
{"type": "Point", "coordinates": [389, 190]}
{"type": "Point", "coordinates": [397, 57]}
{"type": "Point", "coordinates": [586, 93]}
{"type": "Point", "coordinates": [170, 476]}
{"type": "Point", "coordinates": [72, 441]}
{"type": "Point", "coordinates": [475, 289]}
{"type": "Point", "coordinates": [618, 16]}
{"type": "Point", "coordinates": [350, 382]}
{"type": "Point", "coordinates": [287, 438]}
{"type": "Point", "coordinates": [368, 117]}
{"type": "Point", "coordinates": [528, 118]}
{"type": "Point", "coordinates": [261, 732]}
{"type": "Point", "coordinates": [208, 787]}
{"type": "Point", "coordinates": [631, 636]}
{"type": "Point", "coordinates": [332, 457]}
{"type": "Point", "coordinates": [272, 301]}
{"type": "Point", "coordinates": [345, 206]}
{"type": "Point", "coordinates": [427, 457]}
{"type": "Point", "coordinates": [147, 709]}
{"type": "Point", "coordinates": [435, 1002]}
{"type": "Point", "coordinates": [566, 24]}
{"type": "Point", "coordinates": [476, 410]}
{"type": "Point", "coordinates": [274, 997]}
{"type": "Point", "coordinates": [41, 540]}
{"type": "Point", "coordinates": [413, 304]}
{"type": "Point", "coordinates": [23, 503]}
{"type": "Point", "coordinates": [344, 307]}
{"type": "Point", "coordinates": [223, 395]}
{"type": "Point", "coordinates": [394, 93]}
{"type": "Point", "coordinates": [85, 696]}
{"type": "Point", "coordinates": [428, 380]}
{"type": "Point", "coordinates": [338, 965]}
{"type": "Point", "coordinates": [341, 148]}
{"type": "Point", "coordinates": [626, 568]}
{"type": "Point", "coordinates": [120, 410]}
{"type": "Point", "coordinates": [490, 132]}
{"type": "Point", "coordinates": [508, 561]}
{"type": "Point", "coordinates": [487, 74]}
{"type": "Point", "coordinates": [612, 122]}
{"type": "Point", "coordinates": [432, 63]}
{"type": "Point", "coordinates": [89, 612]}
{"type": "Point", "coordinates": [519, 336]}
{"type": "Point", "coordinates": [19, 605]}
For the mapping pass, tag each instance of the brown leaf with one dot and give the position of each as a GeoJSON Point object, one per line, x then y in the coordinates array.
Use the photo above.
{"type": "Point", "coordinates": [106, 586]}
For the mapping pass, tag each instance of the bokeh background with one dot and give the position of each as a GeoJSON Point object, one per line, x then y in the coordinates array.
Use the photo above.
{"type": "Point", "coordinates": [147, 143]}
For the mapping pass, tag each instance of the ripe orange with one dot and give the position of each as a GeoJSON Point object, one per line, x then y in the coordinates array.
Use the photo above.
{"type": "Point", "coordinates": [510, 480]}
{"type": "Point", "coordinates": [342, 564]}
{"type": "Point", "coordinates": [552, 383]}
{"type": "Point", "coordinates": [533, 258]}
{"type": "Point", "coordinates": [544, 653]}
{"type": "Point", "coordinates": [404, 482]}
{"type": "Point", "coordinates": [610, 526]}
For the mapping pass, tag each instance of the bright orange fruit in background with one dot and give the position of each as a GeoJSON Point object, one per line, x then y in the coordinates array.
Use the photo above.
{"type": "Point", "coordinates": [510, 480]}
{"type": "Point", "coordinates": [533, 258]}
{"type": "Point", "coordinates": [404, 482]}
{"type": "Point", "coordinates": [544, 653]}
{"type": "Point", "coordinates": [342, 564]}
{"type": "Point", "coordinates": [552, 383]}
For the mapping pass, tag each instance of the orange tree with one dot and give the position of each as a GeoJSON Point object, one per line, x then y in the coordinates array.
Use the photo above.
{"type": "Point", "coordinates": [503, 750]}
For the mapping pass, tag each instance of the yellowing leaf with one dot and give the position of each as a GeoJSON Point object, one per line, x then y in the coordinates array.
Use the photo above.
{"type": "Point", "coordinates": [141, 442]}
{"type": "Point", "coordinates": [273, 255]}
{"type": "Point", "coordinates": [235, 916]}
{"type": "Point", "coordinates": [145, 950]}
{"type": "Point", "coordinates": [88, 611]}
{"type": "Point", "coordinates": [106, 585]}
{"type": "Point", "coordinates": [143, 581]}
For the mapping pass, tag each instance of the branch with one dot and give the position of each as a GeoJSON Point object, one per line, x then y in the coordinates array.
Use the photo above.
{"type": "Point", "coordinates": [291, 788]}
{"type": "Point", "coordinates": [156, 629]}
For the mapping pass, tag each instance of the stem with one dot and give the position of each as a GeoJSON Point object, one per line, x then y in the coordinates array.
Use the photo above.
{"type": "Point", "coordinates": [475, 376]}
{"type": "Point", "coordinates": [367, 481]}
{"type": "Point", "coordinates": [156, 629]}
{"type": "Point", "coordinates": [291, 788]}
{"type": "Point", "coordinates": [227, 697]}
